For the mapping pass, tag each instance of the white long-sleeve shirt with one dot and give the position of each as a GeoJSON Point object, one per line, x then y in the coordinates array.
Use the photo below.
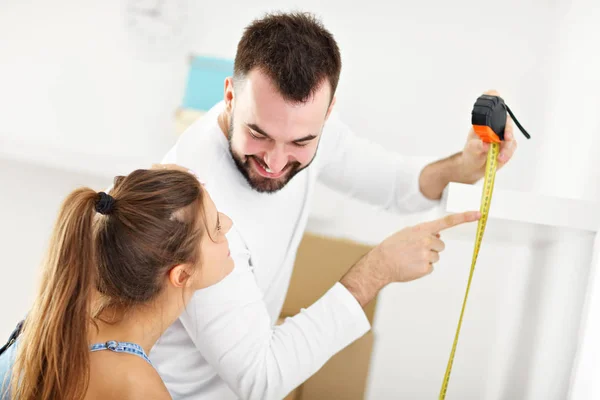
{"type": "Point", "coordinates": [226, 344]}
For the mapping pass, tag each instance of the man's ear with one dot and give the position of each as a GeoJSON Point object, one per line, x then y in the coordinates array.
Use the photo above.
{"type": "Point", "coordinates": [179, 276]}
{"type": "Point", "coordinates": [229, 94]}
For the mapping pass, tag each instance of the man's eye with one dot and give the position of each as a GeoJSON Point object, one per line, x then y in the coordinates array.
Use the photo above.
{"type": "Point", "coordinates": [257, 137]}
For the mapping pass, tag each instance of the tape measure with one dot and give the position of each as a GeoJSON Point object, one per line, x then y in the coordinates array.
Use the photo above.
{"type": "Point", "coordinates": [489, 120]}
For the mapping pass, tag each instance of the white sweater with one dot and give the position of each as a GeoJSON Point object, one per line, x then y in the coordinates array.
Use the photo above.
{"type": "Point", "coordinates": [225, 345]}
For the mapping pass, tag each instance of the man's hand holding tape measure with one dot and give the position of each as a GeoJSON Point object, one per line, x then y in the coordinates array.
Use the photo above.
{"type": "Point", "coordinates": [474, 154]}
{"type": "Point", "coordinates": [467, 166]}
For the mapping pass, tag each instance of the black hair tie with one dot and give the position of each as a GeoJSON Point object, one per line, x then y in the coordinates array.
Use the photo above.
{"type": "Point", "coordinates": [105, 203]}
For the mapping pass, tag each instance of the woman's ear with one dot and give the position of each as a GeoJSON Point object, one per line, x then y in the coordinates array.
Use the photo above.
{"type": "Point", "coordinates": [330, 107]}
{"type": "Point", "coordinates": [179, 276]}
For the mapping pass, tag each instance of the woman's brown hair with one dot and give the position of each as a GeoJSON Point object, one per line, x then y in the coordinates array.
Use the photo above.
{"type": "Point", "coordinates": [151, 225]}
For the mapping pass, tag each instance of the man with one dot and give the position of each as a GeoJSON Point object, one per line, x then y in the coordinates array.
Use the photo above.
{"type": "Point", "coordinates": [260, 152]}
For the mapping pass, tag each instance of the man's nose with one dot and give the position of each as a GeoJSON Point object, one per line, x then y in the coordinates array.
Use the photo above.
{"type": "Point", "coordinates": [276, 160]}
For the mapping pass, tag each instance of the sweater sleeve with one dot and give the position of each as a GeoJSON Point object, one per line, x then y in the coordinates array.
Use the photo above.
{"type": "Point", "coordinates": [229, 324]}
{"type": "Point", "coordinates": [367, 171]}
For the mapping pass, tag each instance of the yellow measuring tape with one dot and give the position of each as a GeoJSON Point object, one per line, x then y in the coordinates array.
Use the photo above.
{"type": "Point", "coordinates": [486, 198]}
{"type": "Point", "coordinates": [489, 120]}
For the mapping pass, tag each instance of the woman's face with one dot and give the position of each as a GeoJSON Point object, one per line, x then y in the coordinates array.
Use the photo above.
{"type": "Point", "coordinates": [215, 259]}
{"type": "Point", "coordinates": [215, 262]}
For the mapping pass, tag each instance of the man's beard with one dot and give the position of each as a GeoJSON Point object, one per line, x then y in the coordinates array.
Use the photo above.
{"type": "Point", "coordinates": [260, 183]}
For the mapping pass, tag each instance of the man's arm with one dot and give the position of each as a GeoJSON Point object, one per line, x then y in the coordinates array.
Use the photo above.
{"type": "Point", "coordinates": [436, 176]}
{"type": "Point", "coordinates": [229, 324]}
{"type": "Point", "coordinates": [402, 257]}
{"type": "Point", "coordinates": [369, 172]}
{"type": "Point", "coordinates": [365, 170]}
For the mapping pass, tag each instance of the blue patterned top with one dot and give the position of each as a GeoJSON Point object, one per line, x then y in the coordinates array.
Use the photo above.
{"type": "Point", "coordinates": [121, 347]}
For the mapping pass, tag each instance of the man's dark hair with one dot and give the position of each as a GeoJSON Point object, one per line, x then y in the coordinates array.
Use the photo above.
{"type": "Point", "coordinates": [294, 50]}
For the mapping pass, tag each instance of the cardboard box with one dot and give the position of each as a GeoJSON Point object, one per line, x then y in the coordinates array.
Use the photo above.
{"type": "Point", "coordinates": [185, 117]}
{"type": "Point", "coordinates": [320, 263]}
{"type": "Point", "coordinates": [345, 376]}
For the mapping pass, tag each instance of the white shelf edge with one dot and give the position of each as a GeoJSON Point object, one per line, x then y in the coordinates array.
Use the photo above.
{"type": "Point", "coordinates": [527, 207]}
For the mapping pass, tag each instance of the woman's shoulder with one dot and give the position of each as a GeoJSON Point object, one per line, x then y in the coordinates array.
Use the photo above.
{"type": "Point", "coordinates": [124, 376]}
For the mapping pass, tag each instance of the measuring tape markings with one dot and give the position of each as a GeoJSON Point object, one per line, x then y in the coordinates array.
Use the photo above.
{"type": "Point", "coordinates": [486, 198]}
{"type": "Point", "coordinates": [489, 121]}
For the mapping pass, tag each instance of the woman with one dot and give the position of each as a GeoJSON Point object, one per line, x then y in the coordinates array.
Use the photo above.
{"type": "Point", "coordinates": [120, 269]}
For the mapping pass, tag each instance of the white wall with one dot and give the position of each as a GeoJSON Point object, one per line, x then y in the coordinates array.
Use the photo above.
{"type": "Point", "coordinates": [72, 83]}
{"type": "Point", "coordinates": [75, 95]}
{"type": "Point", "coordinates": [568, 169]}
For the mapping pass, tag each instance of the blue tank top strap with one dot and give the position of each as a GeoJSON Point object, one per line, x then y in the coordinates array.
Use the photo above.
{"type": "Point", "coordinates": [121, 347]}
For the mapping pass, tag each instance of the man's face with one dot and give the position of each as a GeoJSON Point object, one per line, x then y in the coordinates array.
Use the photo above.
{"type": "Point", "coordinates": [271, 139]}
